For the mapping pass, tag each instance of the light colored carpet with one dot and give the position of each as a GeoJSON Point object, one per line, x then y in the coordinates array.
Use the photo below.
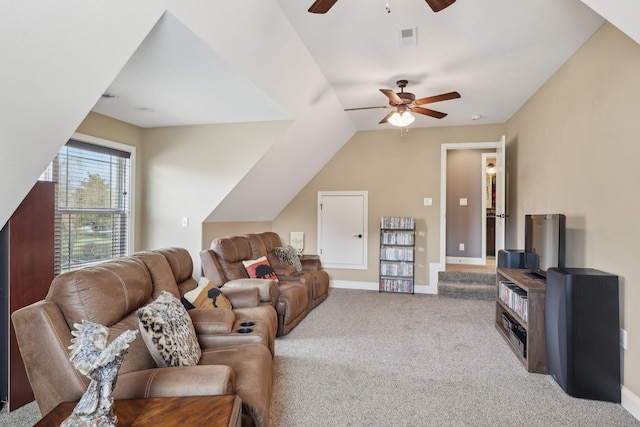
{"type": "Point", "coordinates": [364, 358]}
{"type": "Point", "coordinates": [377, 359]}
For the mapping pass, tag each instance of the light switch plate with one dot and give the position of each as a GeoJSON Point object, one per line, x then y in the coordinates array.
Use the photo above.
{"type": "Point", "coordinates": [428, 201]}
{"type": "Point", "coordinates": [463, 201]}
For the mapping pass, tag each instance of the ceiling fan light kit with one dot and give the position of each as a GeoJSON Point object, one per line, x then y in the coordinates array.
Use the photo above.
{"type": "Point", "coordinates": [401, 119]}
{"type": "Point", "coordinates": [406, 102]}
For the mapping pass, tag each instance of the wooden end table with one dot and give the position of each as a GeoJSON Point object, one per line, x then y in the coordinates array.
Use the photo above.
{"type": "Point", "coordinates": [213, 411]}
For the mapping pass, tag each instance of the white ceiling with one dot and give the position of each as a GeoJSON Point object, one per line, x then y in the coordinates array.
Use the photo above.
{"type": "Point", "coordinates": [495, 53]}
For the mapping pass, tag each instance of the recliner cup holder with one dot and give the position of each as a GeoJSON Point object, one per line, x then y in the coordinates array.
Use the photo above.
{"type": "Point", "coordinates": [244, 330]}
{"type": "Point", "coordinates": [245, 324]}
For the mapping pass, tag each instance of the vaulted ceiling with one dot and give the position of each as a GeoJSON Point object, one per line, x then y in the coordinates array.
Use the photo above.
{"type": "Point", "coordinates": [496, 54]}
{"type": "Point", "coordinates": [181, 62]}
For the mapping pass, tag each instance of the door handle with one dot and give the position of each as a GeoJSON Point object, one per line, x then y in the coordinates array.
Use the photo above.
{"type": "Point", "coordinates": [359, 236]}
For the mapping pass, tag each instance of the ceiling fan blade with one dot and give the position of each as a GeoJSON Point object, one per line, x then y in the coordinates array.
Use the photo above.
{"type": "Point", "coordinates": [322, 6]}
{"type": "Point", "coordinates": [386, 118]}
{"type": "Point", "coordinates": [395, 99]}
{"type": "Point", "coordinates": [438, 5]}
{"type": "Point", "coordinates": [427, 112]}
{"type": "Point", "coordinates": [366, 108]}
{"type": "Point", "coordinates": [438, 98]}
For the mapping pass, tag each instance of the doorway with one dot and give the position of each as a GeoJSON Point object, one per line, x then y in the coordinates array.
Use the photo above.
{"type": "Point", "coordinates": [499, 147]}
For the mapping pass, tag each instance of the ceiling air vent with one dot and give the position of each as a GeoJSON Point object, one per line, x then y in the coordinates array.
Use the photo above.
{"type": "Point", "coordinates": [408, 36]}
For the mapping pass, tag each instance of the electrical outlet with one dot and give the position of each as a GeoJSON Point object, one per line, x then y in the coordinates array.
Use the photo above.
{"type": "Point", "coordinates": [623, 338]}
{"type": "Point", "coordinates": [461, 246]}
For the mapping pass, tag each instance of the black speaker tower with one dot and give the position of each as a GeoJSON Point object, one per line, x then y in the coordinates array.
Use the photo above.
{"type": "Point", "coordinates": [582, 332]}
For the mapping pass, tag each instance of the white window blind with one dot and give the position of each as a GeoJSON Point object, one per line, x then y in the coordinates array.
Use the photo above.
{"type": "Point", "coordinates": [92, 204]}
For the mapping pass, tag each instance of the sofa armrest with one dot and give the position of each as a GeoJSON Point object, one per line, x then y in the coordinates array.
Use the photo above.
{"type": "Point", "coordinates": [200, 380]}
{"type": "Point", "coordinates": [242, 297]}
{"type": "Point", "coordinates": [267, 289]}
{"type": "Point", "coordinates": [310, 264]}
{"type": "Point", "coordinates": [283, 269]}
{"type": "Point", "coordinates": [212, 321]}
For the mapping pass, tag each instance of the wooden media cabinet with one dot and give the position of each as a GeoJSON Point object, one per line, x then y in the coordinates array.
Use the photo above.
{"type": "Point", "coordinates": [520, 318]}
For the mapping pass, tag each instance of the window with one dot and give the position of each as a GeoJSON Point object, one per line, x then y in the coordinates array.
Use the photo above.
{"type": "Point", "coordinates": [92, 204]}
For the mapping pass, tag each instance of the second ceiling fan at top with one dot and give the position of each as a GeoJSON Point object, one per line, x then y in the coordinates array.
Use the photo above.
{"type": "Point", "coordinates": [402, 102]}
{"type": "Point", "coordinates": [323, 6]}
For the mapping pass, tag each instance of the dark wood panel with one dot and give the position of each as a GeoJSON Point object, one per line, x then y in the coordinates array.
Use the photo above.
{"type": "Point", "coordinates": [31, 270]}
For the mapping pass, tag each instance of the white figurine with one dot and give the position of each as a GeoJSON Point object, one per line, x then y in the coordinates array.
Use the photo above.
{"type": "Point", "coordinates": [100, 363]}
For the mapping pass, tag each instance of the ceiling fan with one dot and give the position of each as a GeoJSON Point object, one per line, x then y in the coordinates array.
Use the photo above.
{"type": "Point", "coordinates": [403, 102]}
{"type": "Point", "coordinates": [323, 6]}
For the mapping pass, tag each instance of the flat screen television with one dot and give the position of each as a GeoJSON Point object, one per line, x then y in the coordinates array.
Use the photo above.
{"type": "Point", "coordinates": [544, 243]}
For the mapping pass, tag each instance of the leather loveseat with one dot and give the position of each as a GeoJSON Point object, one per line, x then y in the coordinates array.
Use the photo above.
{"type": "Point", "coordinates": [110, 294]}
{"type": "Point", "coordinates": [266, 244]}
{"type": "Point", "coordinates": [295, 293]}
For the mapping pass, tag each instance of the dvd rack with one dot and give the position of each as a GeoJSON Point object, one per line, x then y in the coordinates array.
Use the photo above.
{"type": "Point", "coordinates": [397, 252]}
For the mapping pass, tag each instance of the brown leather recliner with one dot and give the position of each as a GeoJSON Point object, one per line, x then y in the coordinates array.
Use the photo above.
{"type": "Point", "coordinates": [246, 311]}
{"type": "Point", "coordinates": [110, 294]}
{"type": "Point", "coordinates": [312, 271]}
{"type": "Point", "coordinates": [223, 266]}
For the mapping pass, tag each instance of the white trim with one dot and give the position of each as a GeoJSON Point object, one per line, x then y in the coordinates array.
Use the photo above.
{"type": "Point", "coordinates": [365, 228]}
{"type": "Point", "coordinates": [132, 167]}
{"type": "Point", "coordinates": [630, 402]}
{"type": "Point", "coordinates": [465, 260]}
{"type": "Point", "coordinates": [351, 284]}
{"type": "Point", "coordinates": [434, 269]}
{"type": "Point", "coordinates": [373, 286]}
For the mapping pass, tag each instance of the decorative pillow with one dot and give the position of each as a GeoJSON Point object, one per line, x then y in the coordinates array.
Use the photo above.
{"type": "Point", "coordinates": [206, 295]}
{"type": "Point", "coordinates": [167, 331]}
{"type": "Point", "coordinates": [260, 269]}
{"type": "Point", "coordinates": [288, 255]}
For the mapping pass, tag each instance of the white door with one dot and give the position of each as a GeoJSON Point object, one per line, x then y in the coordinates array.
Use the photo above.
{"type": "Point", "coordinates": [342, 229]}
{"type": "Point", "coordinates": [500, 195]}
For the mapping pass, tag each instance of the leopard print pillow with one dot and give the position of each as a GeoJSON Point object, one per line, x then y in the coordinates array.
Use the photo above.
{"type": "Point", "coordinates": [167, 331]}
{"type": "Point", "coordinates": [287, 255]}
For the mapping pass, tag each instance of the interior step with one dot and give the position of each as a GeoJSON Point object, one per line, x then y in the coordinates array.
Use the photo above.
{"type": "Point", "coordinates": [467, 290]}
{"type": "Point", "coordinates": [467, 277]}
{"type": "Point", "coordinates": [467, 284]}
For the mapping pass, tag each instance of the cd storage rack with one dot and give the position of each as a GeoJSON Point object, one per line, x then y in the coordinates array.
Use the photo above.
{"type": "Point", "coordinates": [397, 253]}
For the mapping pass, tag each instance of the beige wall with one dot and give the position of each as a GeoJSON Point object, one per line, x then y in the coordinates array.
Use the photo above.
{"type": "Point", "coordinates": [185, 172]}
{"type": "Point", "coordinates": [573, 148]}
{"type": "Point", "coordinates": [213, 230]}
{"type": "Point", "coordinates": [398, 173]}
{"type": "Point", "coordinates": [188, 170]}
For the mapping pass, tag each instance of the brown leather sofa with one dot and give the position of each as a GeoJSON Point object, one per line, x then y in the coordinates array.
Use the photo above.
{"type": "Point", "coordinates": [293, 295]}
{"type": "Point", "coordinates": [265, 244]}
{"type": "Point", "coordinates": [110, 294]}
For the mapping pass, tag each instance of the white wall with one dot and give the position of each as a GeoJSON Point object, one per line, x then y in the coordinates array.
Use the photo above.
{"type": "Point", "coordinates": [57, 58]}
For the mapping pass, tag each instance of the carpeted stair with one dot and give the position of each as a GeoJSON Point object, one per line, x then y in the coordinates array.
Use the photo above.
{"type": "Point", "coordinates": [467, 285]}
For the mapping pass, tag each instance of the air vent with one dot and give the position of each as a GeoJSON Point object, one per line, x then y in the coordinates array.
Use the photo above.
{"type": "Point", "coordinates": [408, 36]}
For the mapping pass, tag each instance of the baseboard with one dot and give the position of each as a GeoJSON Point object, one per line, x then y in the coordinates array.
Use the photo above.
{"type": "Point", "coordinates": [464, 260]}
{"type": "Point", "coordinates": [630, 402]}
{"type": "Point", "coordinates": [434, 269]}
{"type": "Point", "coordinates": [373, 286]}
{"type": "Point", "coordinates": [352, 284]}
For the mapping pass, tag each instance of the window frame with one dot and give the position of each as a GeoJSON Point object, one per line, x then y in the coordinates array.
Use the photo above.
{"type": "Point", "coordinates": [100, 142]}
